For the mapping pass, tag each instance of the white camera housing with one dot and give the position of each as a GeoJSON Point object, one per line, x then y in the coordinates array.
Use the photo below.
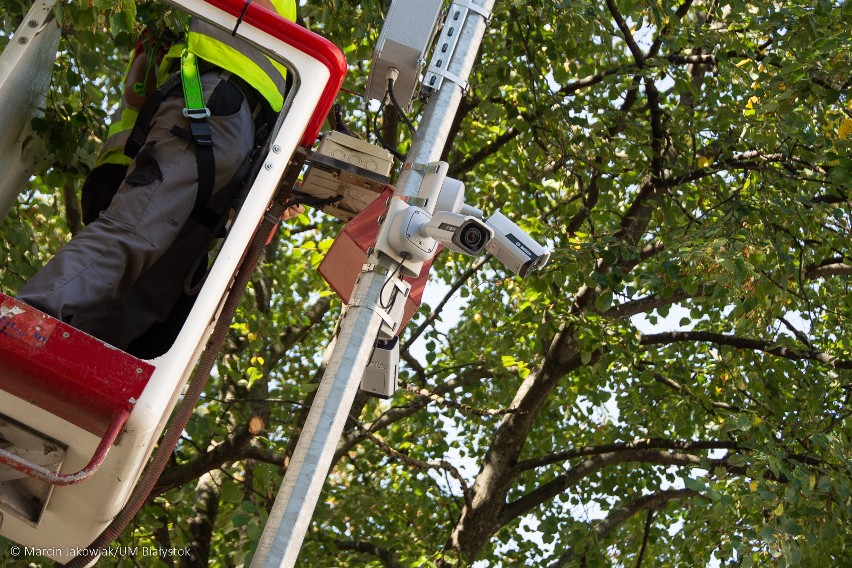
{"type": "Point", "coordinates": [513, 247]}
{"type": "Point", "coordinates": [461, 233]}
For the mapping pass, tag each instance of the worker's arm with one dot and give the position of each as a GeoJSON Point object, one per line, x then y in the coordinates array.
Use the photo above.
{"type": "Point", "coordinates": [136, 76]}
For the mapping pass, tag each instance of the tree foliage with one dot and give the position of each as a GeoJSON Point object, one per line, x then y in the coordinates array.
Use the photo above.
{"type": "Point", "coordinates": [674, 388]}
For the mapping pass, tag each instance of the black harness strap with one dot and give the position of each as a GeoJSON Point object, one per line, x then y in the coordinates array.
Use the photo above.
{"type": "Point", "coordinates": [199, 134]}
{"type": "Point", "coordinates": [143, 122]}
{"type": "Point", "coordinates": [204, 159]}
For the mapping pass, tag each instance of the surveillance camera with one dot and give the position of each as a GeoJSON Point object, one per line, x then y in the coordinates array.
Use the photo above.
{"type": "Point", "coordinates": [457, 232]}
{"type": "Point", "coordinates": [513, 247]}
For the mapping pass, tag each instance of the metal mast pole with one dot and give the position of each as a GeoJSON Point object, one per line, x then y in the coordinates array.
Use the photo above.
{"type": "Point", "coordinates": [294, 506]}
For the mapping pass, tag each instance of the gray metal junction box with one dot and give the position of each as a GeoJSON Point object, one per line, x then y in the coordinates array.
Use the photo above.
{"type": "Point", "coordinates": [403, 42]}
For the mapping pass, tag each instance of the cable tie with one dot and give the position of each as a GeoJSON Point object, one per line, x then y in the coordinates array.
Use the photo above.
{"type": "Point", "coordinates": [481, 10]}
{"type": "Point", "coordinates": [431, 168]}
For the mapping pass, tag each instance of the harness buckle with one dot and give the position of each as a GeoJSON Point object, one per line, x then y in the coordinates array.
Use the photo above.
{"type": "Point", "coordinates": [197, 113]}
{"type": "Point", "coordinates": [200, 130]}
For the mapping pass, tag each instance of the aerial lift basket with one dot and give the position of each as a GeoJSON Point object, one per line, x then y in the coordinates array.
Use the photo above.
{"type": "Point", "coordinates": [79, 418]}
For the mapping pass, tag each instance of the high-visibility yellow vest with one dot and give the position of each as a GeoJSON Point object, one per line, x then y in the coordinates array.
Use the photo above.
{"type": "Point", "coordinates": [220, 48]}
{"type": "Point", "coordinates": [233, 54]}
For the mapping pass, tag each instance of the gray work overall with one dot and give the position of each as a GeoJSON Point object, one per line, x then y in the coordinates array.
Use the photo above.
{"type": "Point", "coordinates": [124, 271]}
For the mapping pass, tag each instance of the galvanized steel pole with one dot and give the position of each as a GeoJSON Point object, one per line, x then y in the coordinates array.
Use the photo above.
{"type": "Point", "coordinates": [294, 506]}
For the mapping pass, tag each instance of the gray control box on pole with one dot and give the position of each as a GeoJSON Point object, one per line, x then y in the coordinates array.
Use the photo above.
{"type": "Point", "coordinates": [403, 42]}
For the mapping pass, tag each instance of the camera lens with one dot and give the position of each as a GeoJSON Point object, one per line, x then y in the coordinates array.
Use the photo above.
{"type": "Point", "coordinates": [472, 237]}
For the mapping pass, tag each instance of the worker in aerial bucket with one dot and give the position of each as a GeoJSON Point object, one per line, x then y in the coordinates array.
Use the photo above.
{"type": "Point", "coordinates": [192, 114]}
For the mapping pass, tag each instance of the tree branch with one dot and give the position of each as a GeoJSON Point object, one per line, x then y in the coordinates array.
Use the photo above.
{"type": "Point", "coordinates": [658, 133]}
{"type": "Point", "coordinates": [590, 200]}
{"type": "Point", "coordinates": [649, 303]}
{"type": "Point", "coordinates": [387, 556]}
{"type": "Point", "coordinates": [546, 492]}
{"type": "Point", "coordinates": [475, 158]}
{"type": "Point", "coordinates": [436, 313]}
{"type": "Point", "coordinates": [479, 520]}
{"type": "Point", "coordinates": [826, 270]}
{"type": "Point", "coordinates": [457, 405]}
{"type": "Point", "coordinates": [658, 41]}
{"type": "Point", "coordinates": [770, 347]}
{"type": "Point", "coordinates": [421, 464]}
{"type": "Point", "coordinates": [634, 48]}
{"type": "Point", "coordinates": [588, 81]}
{"type": "Point", "coordinates": [592, 193]}
{"type": "Point", "coordinates": [73, 212]}
{"type": "Point", "coordinates": [397, 413]}
{"type": "Point", "coordinates": [621, 514]}
{"type": "Point", "coordinates": [646, 533]}
{"type": "Point", "coordinates": [229, 450]}
{"type": "Point", "coordinates": [292, 334]}
{"type": "Point", "coordinates": [265, 455]}
{"type": "Point", "coordinates": [675, 386]}
{"type": "Point", "coordinates": [646, 444]}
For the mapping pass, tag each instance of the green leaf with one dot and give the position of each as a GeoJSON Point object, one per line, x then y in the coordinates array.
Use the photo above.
{"type": "Point", "coordinates": [604, 300]}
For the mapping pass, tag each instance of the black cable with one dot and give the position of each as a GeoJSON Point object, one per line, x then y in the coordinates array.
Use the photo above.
{"type": "Point", "coordinates": [240, 19]}
{"type": "Point", "coordinates": [388, 281]}
{"type": "Point", "coordinates": [381, 140]}
{"type": "Point", "coordinates": [339, 124]}
{"type": "Point", "coordinates": [398, 107]}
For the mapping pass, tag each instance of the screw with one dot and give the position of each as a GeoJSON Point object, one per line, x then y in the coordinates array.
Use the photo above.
{"type": "Point", "coordinates": [23, 40]}
{"type": "Point", "coordinates": [66, 335]}
{"type": "Point", "coordinates": [268, 166]}
{"type": "Point", "coordinates": [32, 24]}
{"type": "Point", "coordinates": [138, 370]}
{"type": "Point", "coordinates": [276, 149]}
